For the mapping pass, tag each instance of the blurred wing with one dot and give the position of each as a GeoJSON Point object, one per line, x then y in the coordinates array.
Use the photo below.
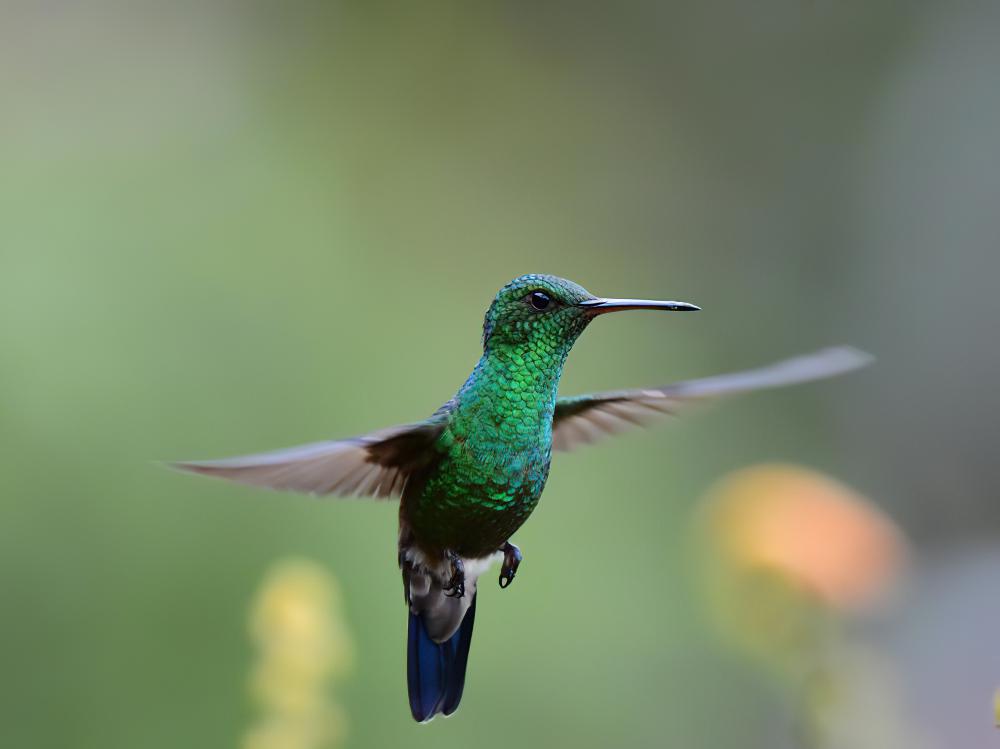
{"type": "Point", "coordinates": [372, 465]}
{"type": "Point", "coordinates": [587, 418]}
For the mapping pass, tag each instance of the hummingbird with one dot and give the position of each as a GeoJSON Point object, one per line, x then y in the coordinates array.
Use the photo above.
{"type": "Point", "coordinates": [471, 474]}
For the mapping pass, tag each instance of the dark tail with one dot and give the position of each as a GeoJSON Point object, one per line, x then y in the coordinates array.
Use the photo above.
{"type": "Point", "coordinates": [435, 672]}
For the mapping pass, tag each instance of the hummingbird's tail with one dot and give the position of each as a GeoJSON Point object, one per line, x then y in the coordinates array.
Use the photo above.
{"type": "Point", "coordinates": [435, 672]}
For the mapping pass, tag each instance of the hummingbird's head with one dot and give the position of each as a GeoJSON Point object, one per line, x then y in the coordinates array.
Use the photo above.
{"type": "Point", "coordinates": [549, 312]}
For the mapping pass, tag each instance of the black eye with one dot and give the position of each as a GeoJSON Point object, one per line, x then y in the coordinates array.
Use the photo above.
{"type": "Point", "coordinates": [539, 300]}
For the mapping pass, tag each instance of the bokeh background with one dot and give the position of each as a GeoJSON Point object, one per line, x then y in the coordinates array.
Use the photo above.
{"type": "Point", "coordinates": [227, 227]}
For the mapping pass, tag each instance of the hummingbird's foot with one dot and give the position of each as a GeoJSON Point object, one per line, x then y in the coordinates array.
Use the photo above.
{"type": "Point", "coordinates": [512, 557]}
{"type": "Point", "coordinates": [456, 585]}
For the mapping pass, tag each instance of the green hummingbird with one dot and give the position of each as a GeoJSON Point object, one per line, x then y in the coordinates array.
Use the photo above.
{"type": "Point", "coordinates": [471, 474]}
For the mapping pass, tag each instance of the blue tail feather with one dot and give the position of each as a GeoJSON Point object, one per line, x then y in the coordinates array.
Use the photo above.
{"type": "Point", "coordinates": [435, 672]}
{"type": "Point", "coordinates": [463, 641]}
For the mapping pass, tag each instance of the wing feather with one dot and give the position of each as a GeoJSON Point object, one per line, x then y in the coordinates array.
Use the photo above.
{"type": "Point", "coordinates": [585, 419]}
{"type": "Point", "coordinates": [376, 464]}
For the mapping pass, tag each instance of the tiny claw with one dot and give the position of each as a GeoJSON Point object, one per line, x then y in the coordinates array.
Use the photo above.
{"type": "Point", "coordinates": [456, 585]}
{"type": "Point", "coordinates": [512, 558]}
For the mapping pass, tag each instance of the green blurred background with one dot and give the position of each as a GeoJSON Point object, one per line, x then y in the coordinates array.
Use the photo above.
{"type": "Point", "coordinates": [228, 227]}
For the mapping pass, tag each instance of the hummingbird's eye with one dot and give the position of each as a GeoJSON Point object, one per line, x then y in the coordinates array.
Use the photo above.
{"type": "Point", "coordinates": [539, 300]}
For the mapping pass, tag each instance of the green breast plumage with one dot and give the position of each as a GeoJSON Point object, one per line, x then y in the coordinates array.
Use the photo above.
{"type": "Point", "coordinates": [494, 454]}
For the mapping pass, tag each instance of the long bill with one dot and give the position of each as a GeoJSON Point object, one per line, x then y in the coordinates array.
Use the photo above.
{"type": "Point", "coordinates": [603, 306]}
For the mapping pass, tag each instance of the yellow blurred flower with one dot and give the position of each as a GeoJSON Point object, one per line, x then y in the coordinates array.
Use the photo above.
{"type": "Point", "coordinates": [303, 644]}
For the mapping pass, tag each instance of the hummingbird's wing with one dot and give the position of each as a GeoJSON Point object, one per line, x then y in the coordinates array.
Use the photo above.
{"type": "Point", "coordinates": [584, 419]}
{"type": "Point", "coordinates": [372, 465]}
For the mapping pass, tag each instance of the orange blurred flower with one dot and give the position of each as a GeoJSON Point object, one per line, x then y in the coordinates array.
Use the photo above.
{"type": "Point", "coordinates": [807, 528]}
{"type": "Point", "coordinates": [788, 550]}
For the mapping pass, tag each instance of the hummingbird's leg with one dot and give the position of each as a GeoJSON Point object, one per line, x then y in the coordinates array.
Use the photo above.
{"type": "Point", "coordinates": [406, 567]}
{"type": "Point", "coordinates": [456, 585]}
{"type": "Point", "coordinates": [512, 557]}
